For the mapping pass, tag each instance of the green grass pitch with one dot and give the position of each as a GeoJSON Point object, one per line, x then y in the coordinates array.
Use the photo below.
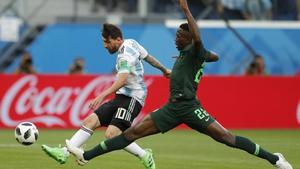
{"type": "Point", "coordinates": [183, 149]}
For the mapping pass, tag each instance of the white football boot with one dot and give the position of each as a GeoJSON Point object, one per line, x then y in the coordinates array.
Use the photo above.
{"type": "Point", "coordinates": [282, 163]}
{"type": "Point", "coordinates": [77, 152]}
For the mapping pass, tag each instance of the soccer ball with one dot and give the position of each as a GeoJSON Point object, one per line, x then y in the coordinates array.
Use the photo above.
{"type": "Point", "coordinates": [26, 133]}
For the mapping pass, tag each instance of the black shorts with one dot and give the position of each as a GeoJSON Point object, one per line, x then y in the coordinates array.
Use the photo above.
{"type": "Point", "coordinates": [119, 112]}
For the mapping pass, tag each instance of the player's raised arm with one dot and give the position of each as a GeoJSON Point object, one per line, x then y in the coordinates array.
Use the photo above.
{"type": "Point", "coordinates": [193, 28]}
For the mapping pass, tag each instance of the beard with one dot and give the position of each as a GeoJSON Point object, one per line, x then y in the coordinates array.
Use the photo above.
{"type": "Point", "coordinates": [112, 51]}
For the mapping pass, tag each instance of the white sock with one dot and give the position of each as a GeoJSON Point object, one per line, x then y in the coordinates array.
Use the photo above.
{"type": "Point", "coordinates": [79, 138]}
{"type": "Point", "coordinates": [135, 149]}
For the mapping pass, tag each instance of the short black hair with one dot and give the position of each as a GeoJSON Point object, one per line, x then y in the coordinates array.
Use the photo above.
{"type": "Point", "coordinates": [185, 27]}
{"type": "Point", "coordinates": [112, 31]}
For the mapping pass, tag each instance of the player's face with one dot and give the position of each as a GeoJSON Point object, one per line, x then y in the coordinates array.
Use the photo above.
{"type": "Point", "coordinates": [112, 45]}
{"type": "Point", "coordinates": [183, 38]}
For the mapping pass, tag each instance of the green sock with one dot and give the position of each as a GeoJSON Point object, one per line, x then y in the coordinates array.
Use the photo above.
{"type": "Point", "coordinates": [252, 148]}
{"type": "Point", "coordinates": [116, 143]}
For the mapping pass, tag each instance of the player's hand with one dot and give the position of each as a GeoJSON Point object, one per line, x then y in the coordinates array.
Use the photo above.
{"type": "Point", "coordinates": [96, 102]}
{"type": "Point", "coordinates": [167, 73]}
{"type": "Point", "coordinates": [182, 4]}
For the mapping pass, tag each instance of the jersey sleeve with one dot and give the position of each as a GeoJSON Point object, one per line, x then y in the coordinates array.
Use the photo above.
{"type": "Point", "coordinates": [203, 53]}
{"type": "Point", "coordinates": [143, 52]}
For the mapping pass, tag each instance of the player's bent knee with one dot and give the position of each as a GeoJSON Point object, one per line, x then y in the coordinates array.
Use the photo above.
{"type": "Point", "coordinates": [109, 135]}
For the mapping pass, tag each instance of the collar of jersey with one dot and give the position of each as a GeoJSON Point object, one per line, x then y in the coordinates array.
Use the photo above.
{"type": "Point", "coordinates": [188, 47]}
{"type": "Point", "coordinates": [120, 48]}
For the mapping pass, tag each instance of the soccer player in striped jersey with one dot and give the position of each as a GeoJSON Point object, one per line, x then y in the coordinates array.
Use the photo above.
{"type": "Point", "coordinates": [117, 114]}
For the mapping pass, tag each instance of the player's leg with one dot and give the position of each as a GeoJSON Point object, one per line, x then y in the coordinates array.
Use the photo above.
{"type": "Point", "coordinates": [161, 120]}
{"type": "Point", "coordinates": [127, 110]}
{"type": "Point", "coordinates": [145, 155]}
{"type": "Point", "coordinates": [144, 128]}
{"type": "Point", "coordinates": [133, 148]}
{"type": "Point", "coordinates": [201, 121]}
{"type": "Point", "coordinates": [61, 154]}
{"type": "Point", "coordinates": [88, 126]}
{"type": "Point", "coordinates": [222, 135]}
{"type": "Point", "coordinates": [102, 116]}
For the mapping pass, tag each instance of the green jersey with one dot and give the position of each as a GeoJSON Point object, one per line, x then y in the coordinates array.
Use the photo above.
{"type": "Point", "coordinates": [183, 107]}
{"type": "Point", "coordinates": [186, 73]}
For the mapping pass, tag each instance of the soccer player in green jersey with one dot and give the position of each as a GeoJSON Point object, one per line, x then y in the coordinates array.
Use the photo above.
{"type": "Point", "coordinates": [183, 105]}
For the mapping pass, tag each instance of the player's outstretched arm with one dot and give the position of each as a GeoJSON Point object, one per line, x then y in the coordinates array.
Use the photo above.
{"type": "Point", "coordinates": [155, 63]}
{"type": "Point", "coordinates": [193, 28]}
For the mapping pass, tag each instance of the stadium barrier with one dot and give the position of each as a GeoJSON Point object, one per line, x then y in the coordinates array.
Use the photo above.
{"type": "Point", "coordinates": [239, 102]}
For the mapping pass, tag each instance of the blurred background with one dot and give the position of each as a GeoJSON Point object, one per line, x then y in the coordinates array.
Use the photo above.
{"type": "Point", "coordinates": [57, 32]}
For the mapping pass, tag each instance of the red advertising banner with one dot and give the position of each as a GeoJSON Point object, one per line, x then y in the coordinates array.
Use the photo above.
{"type": "Point", "coordinates": [252, 102]}
{"type": "Point", "coordinates": [61, 101]}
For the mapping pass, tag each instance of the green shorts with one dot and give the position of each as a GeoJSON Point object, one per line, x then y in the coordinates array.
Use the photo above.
{"type": "Point", "coordinates": [188, 112]}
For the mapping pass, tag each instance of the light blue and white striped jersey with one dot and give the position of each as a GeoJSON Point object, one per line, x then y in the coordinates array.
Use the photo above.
{"type": "Point", "coordinates": [129, 60]}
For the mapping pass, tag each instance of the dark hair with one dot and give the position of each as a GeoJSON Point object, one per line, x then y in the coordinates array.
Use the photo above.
{"type": "Point", "coordinates": [112, 31]}
{"type": "Point", "coordinates": [185, 27]}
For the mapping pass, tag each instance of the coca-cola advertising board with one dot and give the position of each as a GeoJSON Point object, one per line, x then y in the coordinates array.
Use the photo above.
{"type": "Point", "coordinates": [61, 101]}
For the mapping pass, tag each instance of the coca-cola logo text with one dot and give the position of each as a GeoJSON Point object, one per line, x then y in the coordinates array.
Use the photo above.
{"type": "Point", "coordinates": [34, 98]}
{"type": "Point", "coordinates": [48, 104]}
